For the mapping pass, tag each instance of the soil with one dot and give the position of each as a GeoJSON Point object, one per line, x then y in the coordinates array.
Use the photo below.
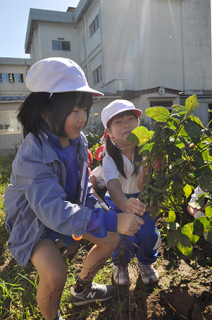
{"type": "Point", "coordinates": [184, 290]}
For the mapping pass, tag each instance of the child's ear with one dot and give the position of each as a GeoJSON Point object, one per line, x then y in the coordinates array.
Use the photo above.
{"type": "Point", "coordinates": [138, 122]}
{"type": "Point", "coordinates": [109, 133]}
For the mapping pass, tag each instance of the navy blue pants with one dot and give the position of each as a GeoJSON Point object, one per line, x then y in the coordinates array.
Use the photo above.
{"type": "Point", "coordinates": [143, 245]}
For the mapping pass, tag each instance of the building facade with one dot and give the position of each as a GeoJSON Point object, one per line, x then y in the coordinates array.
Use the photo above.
{"type": "Point", "coordinates": [152, 52]}
{"type": "Point", "coordinates": [12, 92]}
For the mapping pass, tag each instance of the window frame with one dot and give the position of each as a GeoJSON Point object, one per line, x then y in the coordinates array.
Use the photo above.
{"type": "Point", "coordinates": [94, 26]}
{"type": "Point", "coordinates": [61, 43]}
{"type": "Point", "coordinates": [2, 118]}
{"type": "Point", "coordinates": [97, 75]}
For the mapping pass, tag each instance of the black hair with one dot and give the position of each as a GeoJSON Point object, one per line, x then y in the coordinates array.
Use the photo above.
{"type": "Point", "coordinates": [115, 152]}
{"type": "Point", "coordinates": [56, 107]}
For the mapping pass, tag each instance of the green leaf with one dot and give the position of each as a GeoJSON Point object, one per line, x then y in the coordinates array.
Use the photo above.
{"type": "Point", "coordinates": [178, 110]}
{"type": "Point", "coordinates": [188, 229]}
{"type": "Point", "coordinates": [208, 236]}
{"type": "Point", "coordinates": [173, 238]}
{"type": "Point", "coordinates": [153, 212]}
{"type": "Point", "coordinates": [185, 240]}
{"type": "Point", "coordinates": [160, 180]}
{"type": "Point", "coordinates": [198, 227]}
{"type": "Point", "coordinates": [140, 135]}
{"type": "Point", "coordinates": [205, 183]}
{"type": "Point", "coordinates": [197, 120]}
{"type": "Point", "coordinates": [179, 196]}
{"type": "Point", "coordinates": [187, 190]}
{"type": "Point", "coordinates": [146, 148]}
{"type": "Point", "coordinates": [173, 123]}
{"type": "Point", "coordinates": [133, 138]}
{"type": "Point", "coordinates": [171, 216]}
{"type": "Point", "coordinates": [205, 221]}
{"type": "Point", "coordinates": [186, 251]}
{"type": "Point", "coordinates": [184, 244]}
{"type": "Point", "coordinates": [171, 225]}
{"type": "Point", "coordinates": [183, 133]}
{"type": "Point", "coordinates": [208, 211]}
{"type": "Point", "coordinates": [179, 144]}
{"type": "Point", "coordinates": [206, 155]}
{"type": "Point", "coordinates": [193, 130]}
{"type": "Point", "coordinates": [173, 152]}
{"type": "Point", "coordinates": [191, 104]}
{"type": "Point", "coordinates": [158, 113]}
{"type": "Point", "coordinates": [194, 239]}
{"type": "Point", "coordinates": [176, 237]}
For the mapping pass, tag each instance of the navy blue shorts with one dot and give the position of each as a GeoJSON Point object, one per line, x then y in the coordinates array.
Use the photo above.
{"type": "Point", "coordinates": [53, 235]}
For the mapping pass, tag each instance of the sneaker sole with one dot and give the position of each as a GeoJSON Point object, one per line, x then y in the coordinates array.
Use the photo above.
{"type": "Point", "coordinates": [149, 282]}
{"type": "Point", "coordinates": [81, 303]}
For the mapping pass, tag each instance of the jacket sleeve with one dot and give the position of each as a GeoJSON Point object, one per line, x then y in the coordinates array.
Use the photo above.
{"type": "Point", "coordinates": [47, 199]}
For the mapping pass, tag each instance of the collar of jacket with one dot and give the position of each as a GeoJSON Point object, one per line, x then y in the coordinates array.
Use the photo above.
{"type": "Point", "coordinates": [49, 154]}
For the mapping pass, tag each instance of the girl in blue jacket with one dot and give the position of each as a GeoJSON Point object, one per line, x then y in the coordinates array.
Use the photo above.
{"type": "Point", "coordinates": [49, 196]}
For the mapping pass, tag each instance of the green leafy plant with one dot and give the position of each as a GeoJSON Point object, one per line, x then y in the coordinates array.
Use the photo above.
{"type": "Point", "coordinates": [5, 171]}
{"type": "Point", "coordinates": [177, 158]}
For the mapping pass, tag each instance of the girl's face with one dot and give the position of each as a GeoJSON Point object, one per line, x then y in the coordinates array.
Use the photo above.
{"type": "Point", "coordinates": [73, 125]}
{"type": "Point", "coordinates": [120, 128]}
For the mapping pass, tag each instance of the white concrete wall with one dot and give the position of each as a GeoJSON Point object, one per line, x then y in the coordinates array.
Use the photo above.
{"type": "Point", "coordinates": [157, 43]}
{"type": "Point", "coordinates": [120, 42]}
{"type": "Point", "coordinates": [160, 46]}
{"type": "Point", "coordinates": [48, 31]}
{"type": "Point", "coordinates": [197, 44]}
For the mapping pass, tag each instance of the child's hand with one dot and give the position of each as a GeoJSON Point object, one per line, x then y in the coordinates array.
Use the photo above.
{"type": "Point", "coordinates": [128, 223]}
{"type": "Point", "coordinates": [136, 206]}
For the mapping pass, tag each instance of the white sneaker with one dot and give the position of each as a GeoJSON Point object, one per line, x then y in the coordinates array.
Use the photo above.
{"type": "Point", "coordinates": [121, 275]}
{"type": "Point", "coordinates": [148, 273]}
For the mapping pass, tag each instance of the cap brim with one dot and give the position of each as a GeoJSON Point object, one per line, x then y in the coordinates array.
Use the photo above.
{"type": "Point", "coordinates": [84, 89]}
{"type": "Point", "coordinates": [67, 89]}
{"type": "Point", "coordinates": [137, 112]}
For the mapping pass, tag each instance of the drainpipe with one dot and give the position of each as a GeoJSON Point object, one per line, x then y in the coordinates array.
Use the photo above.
{"type": "Point", "coordinates": [84, 44]}
{"type": "Point", "coordinates": [101, 46]}
{"type": "Point", "coordinates": [182, 37]}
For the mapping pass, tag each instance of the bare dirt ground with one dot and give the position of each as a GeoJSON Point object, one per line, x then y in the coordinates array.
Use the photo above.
{"type": "Point", "coordinates": [184, 290]}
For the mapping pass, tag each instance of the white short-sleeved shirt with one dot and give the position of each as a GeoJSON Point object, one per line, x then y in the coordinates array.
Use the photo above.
{"type": "Point", "coordinates": [128, 185]}
{"type": "Point", "coordinates": [100, 178]}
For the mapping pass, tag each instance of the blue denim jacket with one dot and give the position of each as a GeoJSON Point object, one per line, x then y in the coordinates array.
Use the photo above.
{"type": "Point", "coordinates": [37, 187]}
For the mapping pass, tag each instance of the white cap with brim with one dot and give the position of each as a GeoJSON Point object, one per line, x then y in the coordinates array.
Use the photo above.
{"type": "Point", "coordinates": [58, 75]}
{"type": "Point", "coordinates": [116, 107]}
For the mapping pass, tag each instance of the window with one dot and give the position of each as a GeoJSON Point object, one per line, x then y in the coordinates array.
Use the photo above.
{"type": "Point", "coordinates": [18, 77]}
{"type": "Point", "coordinates": [94, 26]}
{"type": "Point", "coordinates": [9, 122]}
{"type": "Point", "coordinates": [61, 45]}
{"type": "Point", "coordinates": [160, 103]}
{"type": "Point", "coordinates": [11, 77]}
{"type": "Point", "coordinates": [97, 75]}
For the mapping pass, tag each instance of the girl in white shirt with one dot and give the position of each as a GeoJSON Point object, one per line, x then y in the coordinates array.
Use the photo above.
{"type": "Point", "coordinates": [123, 178]}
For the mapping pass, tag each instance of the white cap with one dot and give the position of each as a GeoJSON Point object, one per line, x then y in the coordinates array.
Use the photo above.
{"type": "Point", "coordinates": [58, 75]}
{"type": "Point", "coordinates": [116, 107]}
